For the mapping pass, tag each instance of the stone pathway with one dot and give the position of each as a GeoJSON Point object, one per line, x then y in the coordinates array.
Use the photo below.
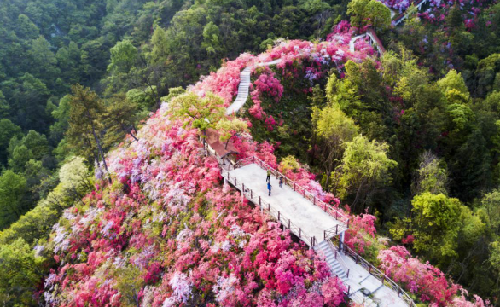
{"type": "Point", "coordinates": [365, 289]}
{"type": "Point", "coordinates": [242, 96]}
{"type": "Point", "coordinates": [292, 205]}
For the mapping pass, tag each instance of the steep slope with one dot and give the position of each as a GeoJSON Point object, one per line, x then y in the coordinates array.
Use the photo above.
{"type": "Point", "coordinates": [168, 232]}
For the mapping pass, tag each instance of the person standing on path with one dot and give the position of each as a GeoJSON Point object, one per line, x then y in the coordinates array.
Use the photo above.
{"type": "Point", "coordinates": [268, 178]}
{"type": "Point", "coordinates": [269, 187]}
{"type": "Point", "coordinates": [281, 181]}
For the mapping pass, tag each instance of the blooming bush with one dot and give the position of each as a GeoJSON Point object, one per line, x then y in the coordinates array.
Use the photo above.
{"type": "Point", "coordinates": [361, 232]}
{"type": "Point", "coordinates": [168, 233]}
{"type": "Point", "coordinates": [417, 277]}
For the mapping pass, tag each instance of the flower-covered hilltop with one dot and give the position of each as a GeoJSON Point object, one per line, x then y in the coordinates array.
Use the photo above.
{"type": "Point", "coordinates": [168, 232]}
{"type": "Point", "coordinates": [435, 11]}
{"type": "Point", "coordinates": [315, 59]}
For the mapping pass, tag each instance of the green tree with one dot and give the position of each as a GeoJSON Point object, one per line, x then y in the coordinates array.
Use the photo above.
{"type": "Point", "coordinates": [85, 129]}
{"type": "Point", "coordinates": [436, 222]}
{"type": "Point", "coordinates": [211, 38]}
{"type": "Point", "coordinates": [495, 262]}
{"type": "Point", "coordinates": [230, 128]}
{"type": "Point", "coordinates": [27, 98]}
{"type": "Point", "coordinates": [20, 272]}
{"type": "Point", "coordinates": [8, 130]}
{"type": "Point", "coordinates": [453, 81]}
{"type": "Point", "coordinates": [44, 60]}
{"type": "Point", "coordinates": [60, 115]}
{"type": "Point", "coordinates": [123, 57]}
{"type": "Point", "coordinates": [26, 29]}
{"type": "Point", "coordinates": [129, 285]}
{"type": "Point", "coordinates": [36, 224]}
{"type": "Point", "coordinates": [490, 203]}
{"type": "Point", "coordinates": [379, 14]}
{"type": "Point", "coordinates": [333, 129]}
{"type": "Point", "coordinates": [12, 204]}
{"type": "Point", "coordinates": [159, 41]}
{"type": "Point", "coordinates": [120, 119]}
{"type": "Point", "coordinates": [369, 12]}
{"type": "Point", "coordinates": [432, 176]}
{"type": "Point", "coordinates": [19, 156]}
{"type": "Point", "coordinates": [365, 168]}
{"type": "Point", "coordinates": [204, 112]}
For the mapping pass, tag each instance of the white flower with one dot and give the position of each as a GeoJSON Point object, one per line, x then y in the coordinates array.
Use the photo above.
{"type": "Point", "coordinates": [39, 250]}
{"type": "Point", "coordinates": [61, 243]}
{"type": "Point", "coordinates": [106, 228]}
{"type": "Point", "coordinates": [224, 288]}
{"type": "Point", "coordinates": [226, 246]}
{"type": "Point", "coordinates": [182, 289]}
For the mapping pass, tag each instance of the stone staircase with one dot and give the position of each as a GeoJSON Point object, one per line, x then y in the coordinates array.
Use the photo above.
{"type": "Point", "coordinates": [329, 251]}
{"type": "Point", "coordinates": [338, 269]}
{"type": "Point", "coordinates": [242, 96]}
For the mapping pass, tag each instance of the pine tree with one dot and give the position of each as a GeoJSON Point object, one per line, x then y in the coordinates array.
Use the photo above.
{"type": "Point", "coordinates": [86, 126]}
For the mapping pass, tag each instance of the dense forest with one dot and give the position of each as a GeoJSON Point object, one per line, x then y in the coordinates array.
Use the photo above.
{"type": "Point", "coordinates": [133, 50]}
{"type": "Point", "coordinates": [411, 136]}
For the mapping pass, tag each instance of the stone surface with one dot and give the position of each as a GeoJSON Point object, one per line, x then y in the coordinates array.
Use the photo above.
{"type": "Point", "coordinates": [311, 219]}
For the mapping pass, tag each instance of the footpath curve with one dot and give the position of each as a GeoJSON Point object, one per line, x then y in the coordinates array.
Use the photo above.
{"type": "Point", "coordinates": [242, 95]}
{"type": "Point", "coordinates": [313, 222]}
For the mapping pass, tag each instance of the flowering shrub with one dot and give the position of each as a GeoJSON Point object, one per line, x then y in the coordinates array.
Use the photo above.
{"type": "Point", "coordinates": [461, 301]}
{"type": "Point", "coordinates": [168, 233]}
{"type": "Point", "coordinates": [225, 81]}
{"type": "Point", "coordinates": [417, 277]}
{"type": "Point", "coordinates": [359, 228]}
{"type": "Point", "coordinates": [184, 238]}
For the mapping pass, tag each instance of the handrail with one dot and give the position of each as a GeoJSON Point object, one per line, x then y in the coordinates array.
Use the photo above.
{"type": "Point", "coordinates": [334, 231]}
{"type": "Point", "coordinates": [339, 258]}
{"type": "Point", "coordinates": [401, 17]}
{"type": "Point", "coordinates": [375, 272]}
{"type": "Point", "coordinates": [265, 206]}
{"type": "Point", "coordinates": [334, 212]}
{"type": "Point", "coordinates": [311, 241]}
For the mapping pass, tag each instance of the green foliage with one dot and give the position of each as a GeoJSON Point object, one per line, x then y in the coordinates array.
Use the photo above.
{"type": "Point", "coordinates": [20, 272]}
{"type": "Point", "coordinates": [364, 167]}
{"type": "Point", "coordinates": [12, 204]}
{"type": "Point", "coordinates": [490, 203]}
{"type": "Point", "coordinates": [8, 130]}
{"type": "Point", "coordinates": [85, 122]}
{"type": "Point", "coordinates": [432, 176]}
{"type": "Point", "coordinates": [123, 57]}
{"type": "Point", "coordinates": [36, 224]}
{"type": "Point", "coordinates": [369, 12]}
{"type": "Point", "coordinates": [453, 81]}
{"type": "Point", "coordinates": [436, 223]}
{"type": "Point", "coordinates": [129, 285]}
{"type": "Point", "coordinates": [289, 163]}
{"type": "Point", "coordinates": [333, 128]}
{"type": "Point", "coordinates": [228, 128]}
{"type": "Point", "coordinates": [333, 123]}
{"type": "Point", "coordinates": [140, 98]}
{"type": "Point", "coordinates": [495, 256]}
{"type": "Point", "coordinates": [203, 112]}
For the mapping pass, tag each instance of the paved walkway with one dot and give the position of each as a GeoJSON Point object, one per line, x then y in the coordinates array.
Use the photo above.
{"type": "Point", "coordinates": [364, 288]}
{"type": "Point", "coordinates": [242, 96]}
{"type": "Point", "coordinates": [311, 219]}
{"type": "Point", "coordinates": [360, 278]}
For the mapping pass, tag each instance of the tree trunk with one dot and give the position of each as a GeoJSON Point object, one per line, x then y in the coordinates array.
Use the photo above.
{"type": "Point", "coordinates": [227, 143]}
{"type": "Point", "coordinates": [358, 194]}
{"type": "Point", "coordinates": [101, 153]}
